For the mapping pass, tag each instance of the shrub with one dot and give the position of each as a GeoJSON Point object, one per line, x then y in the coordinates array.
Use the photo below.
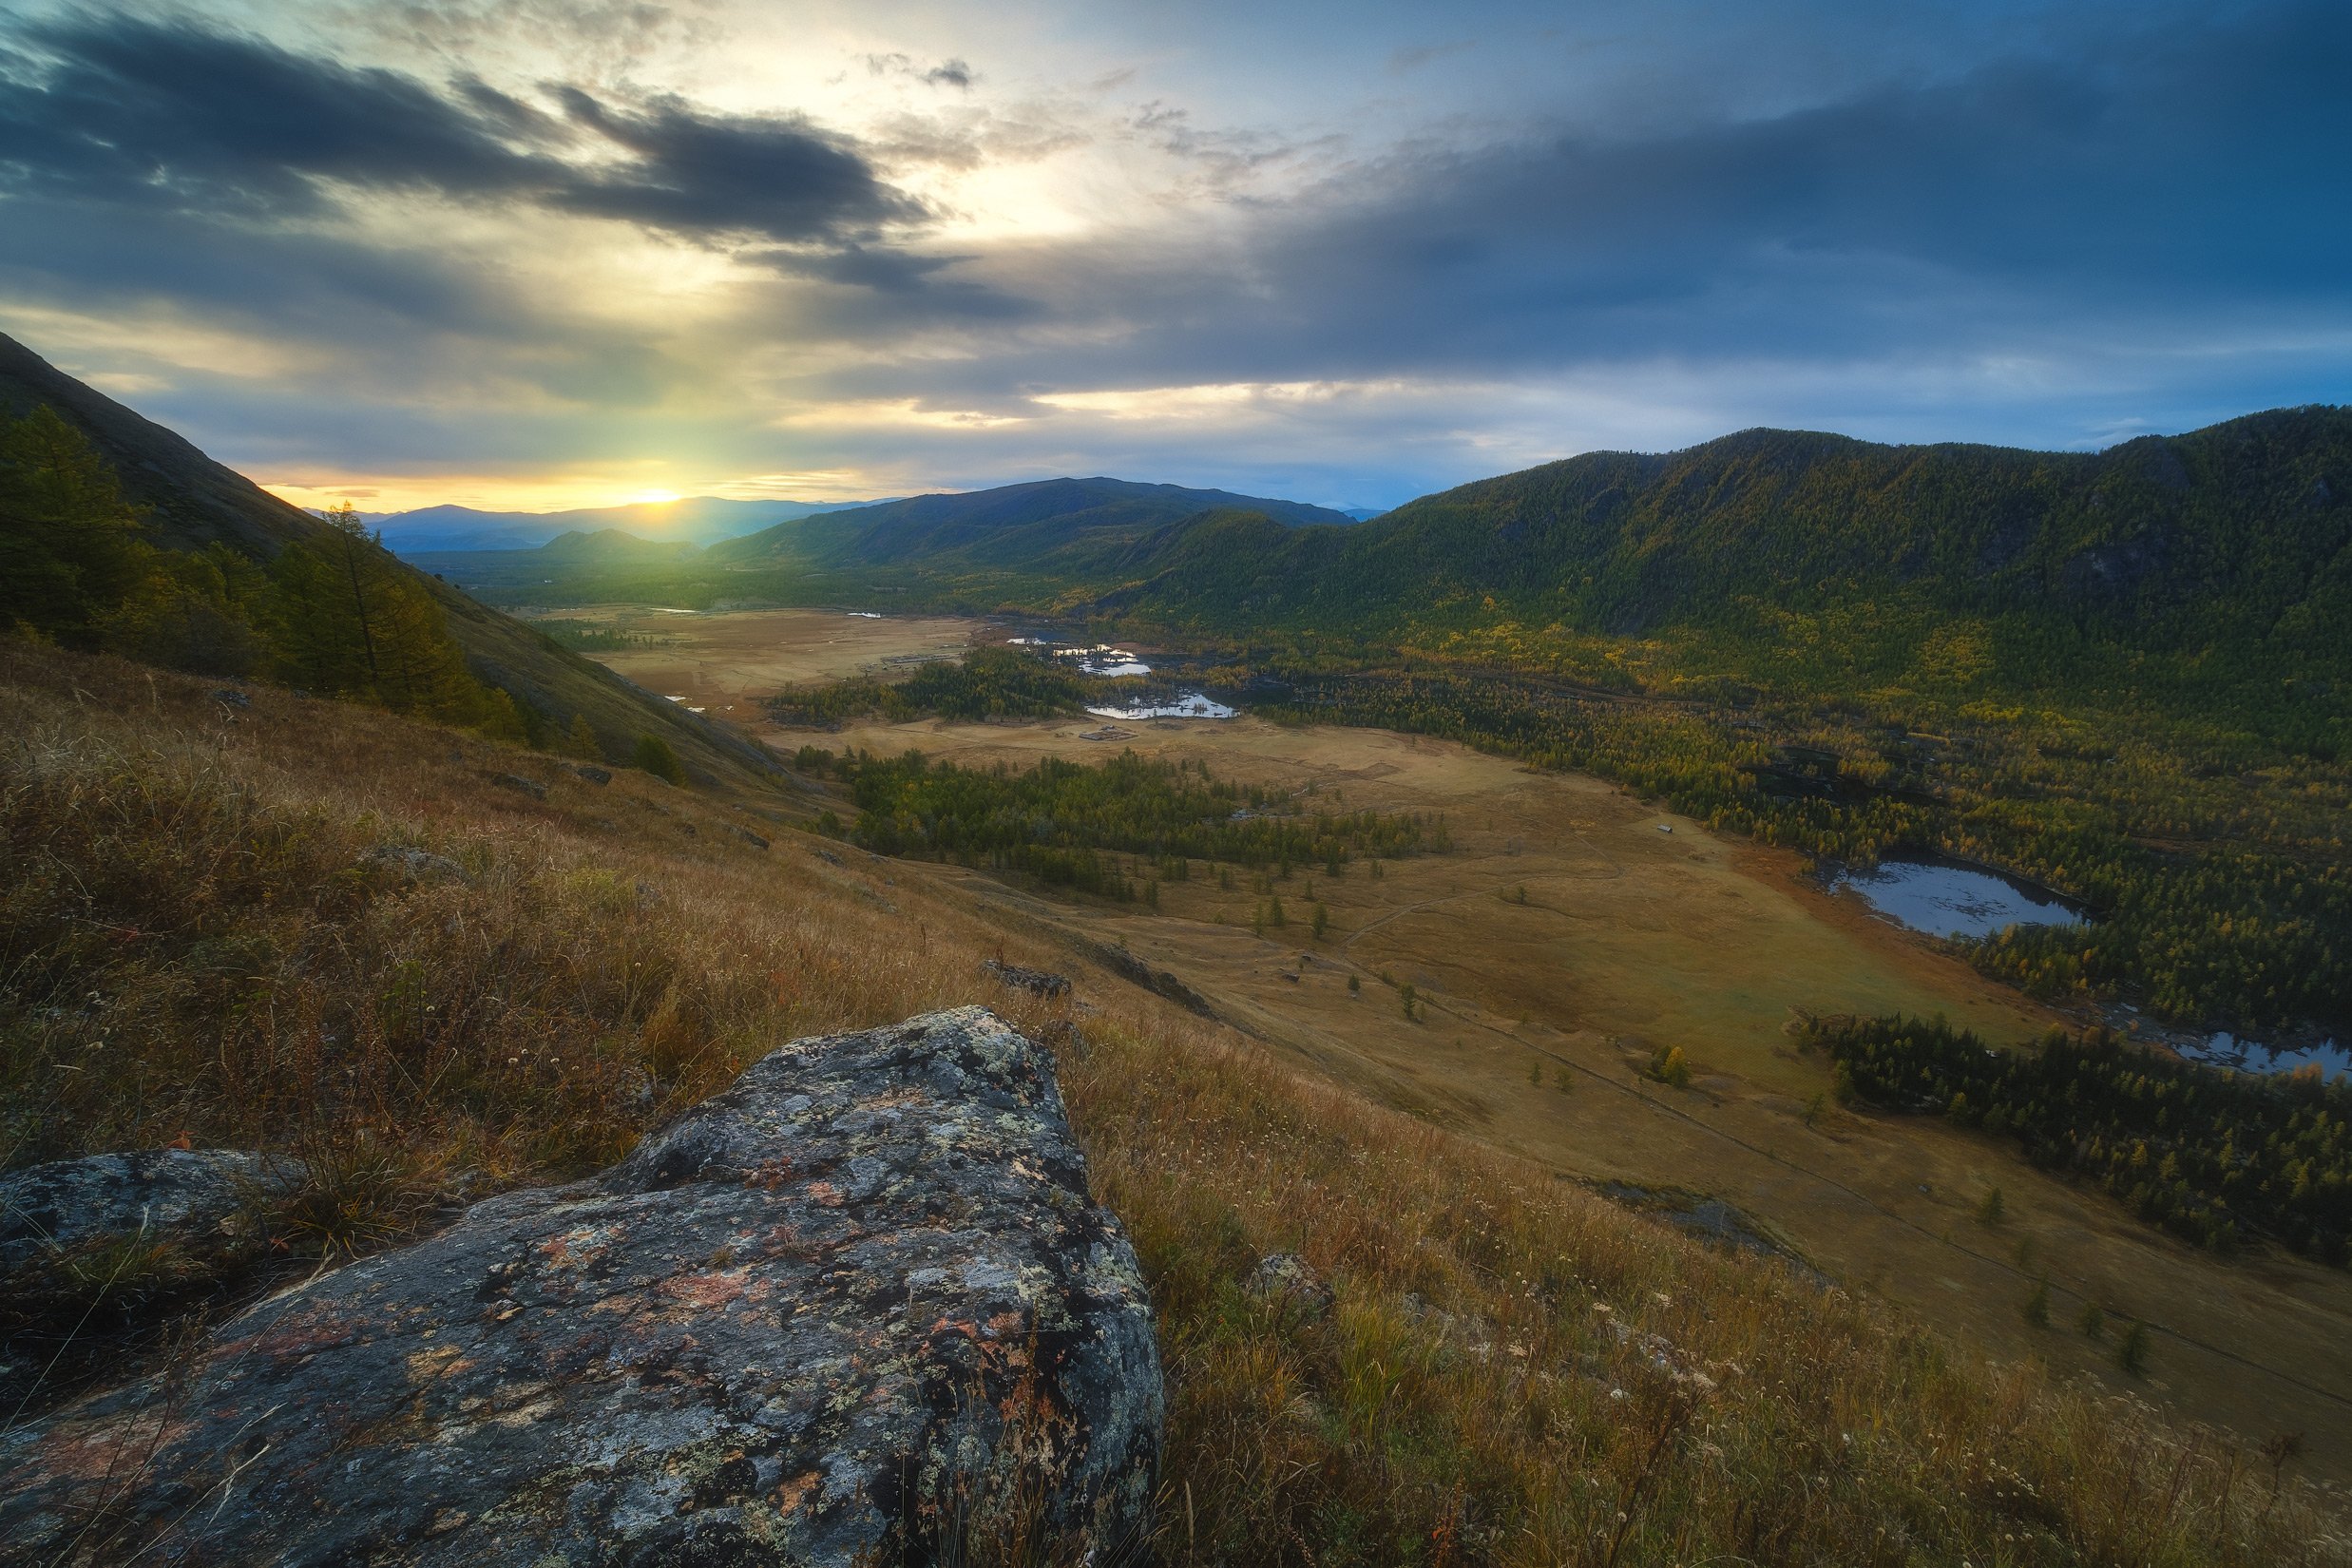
{"type": "Point", "coordinates": [654, 756]}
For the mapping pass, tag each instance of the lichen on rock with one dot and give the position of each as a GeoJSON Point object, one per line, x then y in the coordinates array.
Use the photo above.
{"type": "Point", "coordinates": [186, 1195]}
{"type": "Point", "coordinates": [856, 1304]}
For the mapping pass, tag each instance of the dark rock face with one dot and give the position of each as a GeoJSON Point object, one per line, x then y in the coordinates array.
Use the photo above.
{"type": "Point", "coordinates": [1035, 982]}
{"type": "Point", "coordinates": [857, 1298]}
{"type": "Point", "coordinates": [185, 1195]}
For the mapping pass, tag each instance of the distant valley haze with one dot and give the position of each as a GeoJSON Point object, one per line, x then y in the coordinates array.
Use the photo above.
{"type": "Point", "coordinates": [570, 255]}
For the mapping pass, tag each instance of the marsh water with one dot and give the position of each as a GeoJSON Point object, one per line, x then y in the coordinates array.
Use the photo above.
{"type": "Point", "coordinates": [1946, 899]}
{"type": "Point", "coordinates": [2222, 1049]}
{"type": "Point", "coordinates": [1185, 705]}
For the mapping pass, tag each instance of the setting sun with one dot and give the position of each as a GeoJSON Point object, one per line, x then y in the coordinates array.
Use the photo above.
{"type": "Point", "coordinates": [652, 498]}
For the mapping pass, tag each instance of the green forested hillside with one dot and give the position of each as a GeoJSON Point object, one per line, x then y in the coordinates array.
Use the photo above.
{"type": "Point", "coordinates": [1054, 526]}
{"type": "Point", "coordinates": [1800, 559]}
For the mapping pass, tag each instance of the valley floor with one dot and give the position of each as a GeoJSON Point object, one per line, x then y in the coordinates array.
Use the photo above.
{"type": "Point", "coordinates": [440, 966]}
{"type": "Point", "coordinates": [1541, 1019]}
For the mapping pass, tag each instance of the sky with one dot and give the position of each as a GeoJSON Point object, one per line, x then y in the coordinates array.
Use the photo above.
{"type": "Point", "coordinates": [535, 254]}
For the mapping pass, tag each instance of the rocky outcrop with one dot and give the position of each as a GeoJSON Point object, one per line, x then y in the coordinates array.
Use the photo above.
{"type": "Point", "coordinates": [1288, 1281]}
{"type": "Point", "coordinates": [192, 1197]}
{"type": "Point", "coordinates": [1035, 982]}
{"type": "Point", "coordinates": [857, 1305]}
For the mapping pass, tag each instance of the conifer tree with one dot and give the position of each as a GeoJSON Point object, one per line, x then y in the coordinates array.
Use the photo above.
{"type": "Point", "coordinates": [69, 548]}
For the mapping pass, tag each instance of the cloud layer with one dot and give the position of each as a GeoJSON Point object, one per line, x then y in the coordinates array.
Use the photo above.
{"type": "Point", "coordinates": [119, 110]}
{"type": "Point", "coordinates": [918, 271]}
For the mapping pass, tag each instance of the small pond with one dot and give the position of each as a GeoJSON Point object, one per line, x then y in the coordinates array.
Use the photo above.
{"type": "Point", "coordinates": [1100, 659]}
{"type": "Point", "coordinates": [1185, 705]}
{"type": "Point", "coordinates": [2222, 1049]}
{"type": "Point", "coordinates": [1946, 899]}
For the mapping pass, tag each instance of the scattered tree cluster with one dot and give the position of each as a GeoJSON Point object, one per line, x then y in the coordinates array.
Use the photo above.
{"type": "Point", "coordinates": [2208, 1155]}
{"type": "Point", "coordinates": [2221, 891]}
{"type": "Point", "coordinates": [1069, 824]}
{"type": "Point", "coordinates": [333, 614]}
{"type": "Point", "coordinates": [988, 683]}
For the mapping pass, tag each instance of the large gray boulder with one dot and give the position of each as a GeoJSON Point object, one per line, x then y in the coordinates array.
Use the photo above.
{"type": "Point", "coordinates": [853, 1307]}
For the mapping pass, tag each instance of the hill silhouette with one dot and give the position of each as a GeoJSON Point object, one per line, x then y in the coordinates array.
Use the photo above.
{"type": "Point", "coordinates": [189, 503]}
{"type": "Point", "coordinates": [2240, 532]}
{"type": "Point", "coordinates": [1072, 525]}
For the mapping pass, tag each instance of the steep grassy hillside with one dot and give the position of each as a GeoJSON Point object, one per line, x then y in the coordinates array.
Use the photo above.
{"type": "Point", "coordinates": [189, 501]}
{"type": "Point", "coordinates": [210, 938]}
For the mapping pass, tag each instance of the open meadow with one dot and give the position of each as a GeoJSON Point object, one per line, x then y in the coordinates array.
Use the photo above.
{"type": "Point", "coordinates": [1513, 1369]}
{"type": "Point", "coordinates": [721, 663]}
{"type": "Point", "coordinates": [1561, 944]}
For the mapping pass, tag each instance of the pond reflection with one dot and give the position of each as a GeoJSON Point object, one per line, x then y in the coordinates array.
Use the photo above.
{"type": "Point", "coordinates": [1945, 899]}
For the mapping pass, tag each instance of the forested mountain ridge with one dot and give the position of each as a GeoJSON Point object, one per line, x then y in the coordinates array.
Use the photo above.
{"type": "Point", "coordinates": [1049, 523]}
{"type": "Point", "coordinates": [216, 522]}
{"type": "Point", "coordinates": [2238, 532]}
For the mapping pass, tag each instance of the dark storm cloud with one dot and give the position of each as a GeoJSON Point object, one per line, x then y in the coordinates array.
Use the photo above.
{"type": "Point", "coordinates": [883, 299]}
{"type": "Point", "coordinates": [2181, 186]}
{"type": "Point", "coordinates": [150, 114]}
{"type": "Point", "coordinates": [697, 173]}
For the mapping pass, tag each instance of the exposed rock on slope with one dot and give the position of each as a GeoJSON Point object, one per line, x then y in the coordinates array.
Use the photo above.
{"type": "Point", "coordinates": [185, 1195]}
{"type": "Point", "coordinates": [833, 1315]}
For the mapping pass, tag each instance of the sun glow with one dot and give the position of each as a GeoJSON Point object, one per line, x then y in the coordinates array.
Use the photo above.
{"type": "Point", "coordinates": [654, 498]}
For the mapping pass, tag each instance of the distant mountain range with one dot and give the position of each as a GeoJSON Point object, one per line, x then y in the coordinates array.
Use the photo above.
{"type": "Point", "coordinates": [1052, 525]}
{"type": "Point", "coordinates": [709, 519]}
{"type": "Point", "coordinates": [700, 519]}
{"type": "Point", "coordinates": [1042, 525]}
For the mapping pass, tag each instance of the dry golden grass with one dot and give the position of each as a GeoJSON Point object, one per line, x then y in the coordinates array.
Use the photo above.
{"type": "Point", "coordinates": [1633, 942]}
{"type": "Point", "coordinates": [197, 941]}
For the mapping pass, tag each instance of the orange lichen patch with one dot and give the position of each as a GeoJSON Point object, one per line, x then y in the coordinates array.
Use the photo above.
{"type": "Point", "coordinates": [435, 1362]}
{"type": "Point", "coordinates": [826, 1194]}
{"type": "Point", "coordinates": [1005, 1324]}
{"type": "Point", "coordinates": [577, 1249]}
{"type": "Point", "coordinates": [98, 1453]}
{"type": "Point", "coordinates": [706, 1290]}
{"type": "Point", "coordinates": [769, 1173]}
{"type": "Point", "coordinates": [795, 1489]}
{"type": "Point", "coordinates": [298, 1334]}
